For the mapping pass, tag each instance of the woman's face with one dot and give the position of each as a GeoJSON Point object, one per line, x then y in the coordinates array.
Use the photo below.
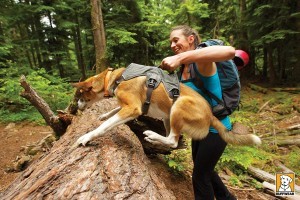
{"type": "Point", "coordinates": [180, 43]}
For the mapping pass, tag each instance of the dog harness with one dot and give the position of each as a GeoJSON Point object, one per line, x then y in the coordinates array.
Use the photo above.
{"type": "Point", "coordinates": [106, 80]}
{"type": "Point", "coordinates": [154, 76]}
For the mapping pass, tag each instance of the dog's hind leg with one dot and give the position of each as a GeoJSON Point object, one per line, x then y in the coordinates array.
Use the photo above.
{"type": "Point", "coordinates": [109, 114]}
{"type": "Point", "coordinates": [124, 115]}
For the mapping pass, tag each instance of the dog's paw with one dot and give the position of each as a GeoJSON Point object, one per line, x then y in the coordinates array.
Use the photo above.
{"type": "Point", "coordinates": [151, 136]}
{"type": "Point", "coordinates": [83, 140]}
{"type": "Point", "coordinates": [153, 141]}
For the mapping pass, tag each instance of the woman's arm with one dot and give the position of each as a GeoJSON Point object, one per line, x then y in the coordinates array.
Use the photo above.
{"type": "Point", "coordinates": [202, 57]}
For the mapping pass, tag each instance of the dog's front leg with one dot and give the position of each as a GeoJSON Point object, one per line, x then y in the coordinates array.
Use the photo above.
{"type": "Point", "coordinates": [167, 125]}
{"type": "Point", "coordinates": [112, 122]}
{"type": "Point", "coordinates": [109, 114]}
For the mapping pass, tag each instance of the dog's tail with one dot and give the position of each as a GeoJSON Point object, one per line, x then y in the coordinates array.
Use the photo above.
{"type": "Point", "coordinates": [233, 138]}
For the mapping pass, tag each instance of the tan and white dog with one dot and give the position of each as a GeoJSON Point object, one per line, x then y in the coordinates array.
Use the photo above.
{"type": "Point", "coordinates": [190, 113]}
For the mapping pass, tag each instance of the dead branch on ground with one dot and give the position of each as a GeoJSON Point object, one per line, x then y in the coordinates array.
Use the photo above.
{"type": "Point", "coordinates": [57, 123]}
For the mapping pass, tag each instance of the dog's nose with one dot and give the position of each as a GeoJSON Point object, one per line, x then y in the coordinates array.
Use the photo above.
{"type": "Point", "coordinates": [81, 104]}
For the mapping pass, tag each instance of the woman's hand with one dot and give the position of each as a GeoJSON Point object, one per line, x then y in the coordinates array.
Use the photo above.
{"type": "Point", "coordinates": [170, 63]}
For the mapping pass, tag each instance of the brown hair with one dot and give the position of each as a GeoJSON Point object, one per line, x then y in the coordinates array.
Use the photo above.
{"type": "Point", "coordinates": [187, 31]}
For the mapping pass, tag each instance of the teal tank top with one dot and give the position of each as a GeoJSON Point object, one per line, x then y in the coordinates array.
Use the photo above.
{"type": "Point", "coordinates": [212, 84]}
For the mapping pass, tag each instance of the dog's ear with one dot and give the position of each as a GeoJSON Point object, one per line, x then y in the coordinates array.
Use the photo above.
{"type": "Point", "coordinates": [87, 86]}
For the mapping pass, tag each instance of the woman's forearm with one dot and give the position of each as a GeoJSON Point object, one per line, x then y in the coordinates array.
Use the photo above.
{"type": "Point", "coordinates": [204, 55]}
{"type": "Point", "coordinates": [207, 54]}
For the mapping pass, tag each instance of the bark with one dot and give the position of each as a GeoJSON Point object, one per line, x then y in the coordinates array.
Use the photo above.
{"type": "Point", "coordinates": [260, 174]}
{"type": "Point", "coordinates": [271, 67]}
{"type": "Point", "coordinates": [99, 35]}
{"type": "Point", "coordinates": [78, 47]}
{"type": "Point", "coordinates": [113, 166]}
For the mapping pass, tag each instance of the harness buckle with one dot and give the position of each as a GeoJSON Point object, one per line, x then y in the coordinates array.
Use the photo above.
{"type": "Point", "coordinates": [151, 83]}
{"type": "Point", "coordinates": [175, 93]}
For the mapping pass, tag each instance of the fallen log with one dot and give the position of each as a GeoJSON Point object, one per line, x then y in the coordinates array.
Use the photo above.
{"type": "Point", "coordinates": [284, 140]}
{"type": "Point", "coordinates": [294, 127]}
{"type": "Point", "coordinates": [113, 166]}
{"type": "Point", "coordinates": [290, 90]}
{"type": "Point", "coordinates": [283, 167]}
{"type": "Point", "coordinates": [260, 174]}
{"type": "Point", "coordinates": [258, 88]}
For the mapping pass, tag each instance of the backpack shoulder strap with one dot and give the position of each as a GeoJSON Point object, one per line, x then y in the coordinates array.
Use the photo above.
{"type": "Point", "coordinates": [199, 83]}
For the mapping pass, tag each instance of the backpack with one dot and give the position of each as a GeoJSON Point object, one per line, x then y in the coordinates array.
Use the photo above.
{"type": "Point", "coordinates": [230, 84]}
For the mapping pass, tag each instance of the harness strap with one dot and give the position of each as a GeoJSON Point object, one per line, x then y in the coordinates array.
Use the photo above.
{"type": "Point", "coordinates": [106, 80]}
{"type": "Point", "coordinates": [153, 80]}
{"type": "Point", "coordinates": [150, 88]}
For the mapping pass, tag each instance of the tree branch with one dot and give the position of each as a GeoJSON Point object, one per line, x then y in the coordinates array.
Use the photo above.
{"type": "Point", "coordinates": [59, 123]}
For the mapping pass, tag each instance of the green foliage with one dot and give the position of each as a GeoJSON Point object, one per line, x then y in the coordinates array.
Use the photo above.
{"type": "Point", "coordinates": [292, 160]}
{"type": "Point", "coordinates": [235, 181]}
{"type": "Point", "coordinates": [56, 92]}
{"type": "Point", "coordinates": [243, 156]}
{"type": "Point", "coordinates": [180, 160]}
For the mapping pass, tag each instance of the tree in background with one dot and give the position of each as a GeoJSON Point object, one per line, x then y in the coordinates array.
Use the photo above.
{"type": "Point", "coordinates": [99, 35]}
{"type": "Point", "coordinates": [59, 36]}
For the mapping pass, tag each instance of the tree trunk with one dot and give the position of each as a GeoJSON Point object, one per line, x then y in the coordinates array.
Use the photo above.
{"type": "Point", "coordinates": [99, 35]}
{"type": "Point", "coordinates": [265, 65]}
{"type": "Point", "coordinates": [244, 42]}
{"type": "Point", "coordinates": [113, 166]}
{"type": "Point", "coordinates": [271, 67]}
{"type": "Point", "coordinates": [296, 69]}
{"type": "Point", "coordinates": [78, 47]}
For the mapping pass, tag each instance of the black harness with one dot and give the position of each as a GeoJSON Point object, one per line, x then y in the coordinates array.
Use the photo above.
{"type": "Point", "coordinates": [154, 76]}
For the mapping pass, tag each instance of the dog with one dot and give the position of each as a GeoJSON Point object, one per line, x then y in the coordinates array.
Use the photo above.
{"type": "Point", "coordinates": [190, 113]}
{"type": "Point", "coordinates": [285, 183]}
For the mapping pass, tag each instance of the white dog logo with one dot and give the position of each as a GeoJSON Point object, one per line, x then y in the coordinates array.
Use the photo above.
{"type": "Point", "coordinates": [285, 183]}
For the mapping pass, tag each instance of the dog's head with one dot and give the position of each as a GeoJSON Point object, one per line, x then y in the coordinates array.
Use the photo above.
{"type": "Point", "coordinates": [285, 180]}
{"type": "Point", "coordinates": [90, 90]}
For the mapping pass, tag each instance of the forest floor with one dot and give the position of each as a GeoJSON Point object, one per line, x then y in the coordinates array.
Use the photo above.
{"type": "Point", "coordinates": [14, 137]}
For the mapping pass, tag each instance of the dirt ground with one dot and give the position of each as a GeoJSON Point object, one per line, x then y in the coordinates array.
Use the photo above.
{"type": "Point", "coordinates": [13, 138]}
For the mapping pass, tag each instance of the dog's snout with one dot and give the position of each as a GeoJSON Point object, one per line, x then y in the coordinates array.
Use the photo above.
{"type": "Point", "coordinates": [81, 104]}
